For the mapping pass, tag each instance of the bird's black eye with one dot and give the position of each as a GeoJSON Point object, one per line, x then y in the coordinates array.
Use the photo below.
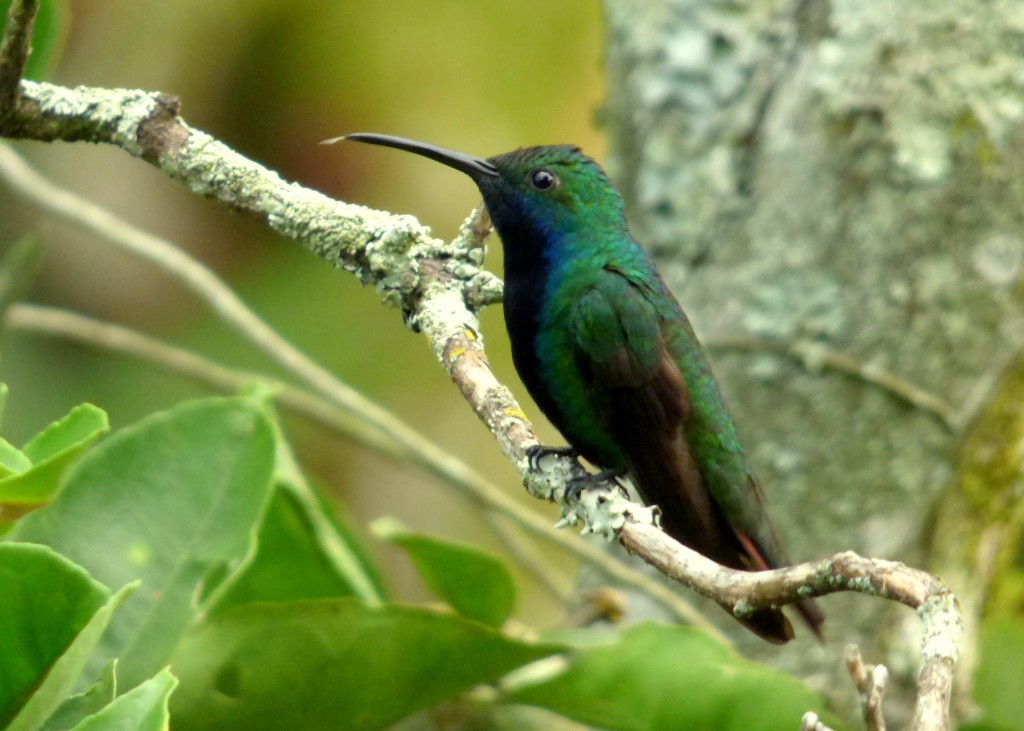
{"type": "Point", "coordinates": [543, 179]}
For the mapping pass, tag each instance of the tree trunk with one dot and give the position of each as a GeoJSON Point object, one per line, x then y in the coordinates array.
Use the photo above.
{"type": "Point", "coordinates": [845, 178]}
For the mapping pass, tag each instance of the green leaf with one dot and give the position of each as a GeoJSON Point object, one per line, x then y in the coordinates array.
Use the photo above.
{"type": "Point", "coordinates": [307, 548]}
{"type": "Point", "coordinates": [82, 425]}
{"type": "Point", "coordinates": [12, 459]}
{"type": "Point", "coordinates": [141, 709]}
{"type": "Point", "coordinates": [289, 563]}
{"type": "Point", "coordinates": [333, 664]}
{"type": "Point", "coordinates": [61, 679]}
{"type": "Point", "coordinates": [52, 614]}
{"type": "Point", "coordinates": [999, 679]}
{"type": "Point", "coordinates": [338, 535]}
{"type": "Point", "coordinates": [77, 707]}
{"type": "Point", "coordinates": [476, 585]}
{"type": "Point", "coordinates": [49, 33]}
{"type": "Point", "coordinates": [51, 452]}
{"type": "Point", "coordinates": [667, 677]}
{"type": "Point", "coordinates": [170, 500]}
{"type": "Point", "coordinates": [46, 600]}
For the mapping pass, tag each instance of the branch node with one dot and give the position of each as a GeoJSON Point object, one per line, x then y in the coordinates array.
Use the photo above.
{"type": "Point", "coordinates": [161, 132]}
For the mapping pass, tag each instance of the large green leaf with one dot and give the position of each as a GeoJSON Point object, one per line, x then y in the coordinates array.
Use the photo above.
{"type": "Point", "coordinates": [171, 501]}
{"type": "Point", "coordinates": [667, 677]}
{"type": "Point", "coordinates": [289, 564]}
{"type": "Point", "coordinates": [52, 614]}
{"type": "Point", "coordinates": [303, 550]}
{"type": "Point", "coordinates": [332, 664]}
{"type": "Point", "coordinates": [143, 708]}
{"type": "Point", "coordinates": [476, 585]}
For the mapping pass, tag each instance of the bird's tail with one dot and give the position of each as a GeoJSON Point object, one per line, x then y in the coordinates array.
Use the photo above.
{"type": "Point", "coordinates": [808, 610]}
{"type": "Point", "coordinates": [665, 473]}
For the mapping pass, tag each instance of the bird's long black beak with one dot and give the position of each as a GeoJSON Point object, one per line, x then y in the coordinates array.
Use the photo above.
{"type": "Point", "coordinates": [472, 166]}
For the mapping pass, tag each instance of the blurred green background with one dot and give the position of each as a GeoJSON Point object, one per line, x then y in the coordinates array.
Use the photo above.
{"type": "Point", "coordinates": [272, 78]}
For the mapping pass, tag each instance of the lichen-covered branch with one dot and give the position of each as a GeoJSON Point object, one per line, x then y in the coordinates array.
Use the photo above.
{"type": "Point", "coordinates": [742, 592]}
{"type": "Point", "coordinates": [380, 248]}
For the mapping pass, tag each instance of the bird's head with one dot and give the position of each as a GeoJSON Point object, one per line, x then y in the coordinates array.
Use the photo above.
{"type": "Point", "coordinates": [549, 190]}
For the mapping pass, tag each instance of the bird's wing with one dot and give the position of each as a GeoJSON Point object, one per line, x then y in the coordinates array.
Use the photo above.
{"type": "Point", "coordinates": [621, 356]}
{"type": "Point", "coordinates": [620, 351]}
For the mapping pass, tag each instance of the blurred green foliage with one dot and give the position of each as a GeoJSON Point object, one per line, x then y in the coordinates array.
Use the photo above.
{"type": "Point", "coordinates": [183, 508]}
{"type": "Point", "coordinates": [474, 584]}
{"type": "Point", "coordinates": [999, 681]}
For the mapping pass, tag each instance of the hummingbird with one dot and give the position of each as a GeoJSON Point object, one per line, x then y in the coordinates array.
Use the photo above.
{"type": "Point", "coordinates": [611, 359]}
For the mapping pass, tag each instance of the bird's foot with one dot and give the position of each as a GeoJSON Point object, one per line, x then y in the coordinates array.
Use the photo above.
{"type": "Point", "coordinates": [575, 487]}
{"type": "Point", "coordinates": [538, 452]}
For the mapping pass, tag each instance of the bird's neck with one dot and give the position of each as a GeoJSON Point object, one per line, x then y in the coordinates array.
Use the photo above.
{"type": "Point", "coordinates": [526, 273]}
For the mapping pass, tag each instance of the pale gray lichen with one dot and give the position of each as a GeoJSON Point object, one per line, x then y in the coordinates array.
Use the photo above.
{"type": "Point", "coordinates": [382, 249]}
{"type": "Point", "coordinates": [442, 312]}
{"type": "Point", "coordinates": [862, 584]}
{"type": "Point", "coordinates": [484, 288]}
{"type": "Point", "coordinates": [919, 61]}
{"type": "Point", "coordinates": [942, 627]}
{"type": "Point", "coordinates": [604, 510]}
{"type": "Point", "coordinates": [742, 608]}
{"type": "Point", "coordinates": [790, 303]}
{"type": "Point", "coordinates": [60, 100]}
{"type": "Point", "coordinates": [549, 478]}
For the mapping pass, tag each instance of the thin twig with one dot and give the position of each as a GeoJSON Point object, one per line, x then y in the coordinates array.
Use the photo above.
{"type": "Point", "coordinates": [14, 51]}
{"type": "Point", "coordinates": [870, 681]}
{"type": "Point", "coordinates": [470, 484]}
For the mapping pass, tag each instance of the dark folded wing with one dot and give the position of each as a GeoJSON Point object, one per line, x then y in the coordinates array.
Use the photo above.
{"type": "Point", "coordinates": [620, 352]}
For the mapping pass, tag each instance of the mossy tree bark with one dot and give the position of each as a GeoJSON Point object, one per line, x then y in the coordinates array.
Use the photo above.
{"type": "Point", "coordinates": [846, 177]}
